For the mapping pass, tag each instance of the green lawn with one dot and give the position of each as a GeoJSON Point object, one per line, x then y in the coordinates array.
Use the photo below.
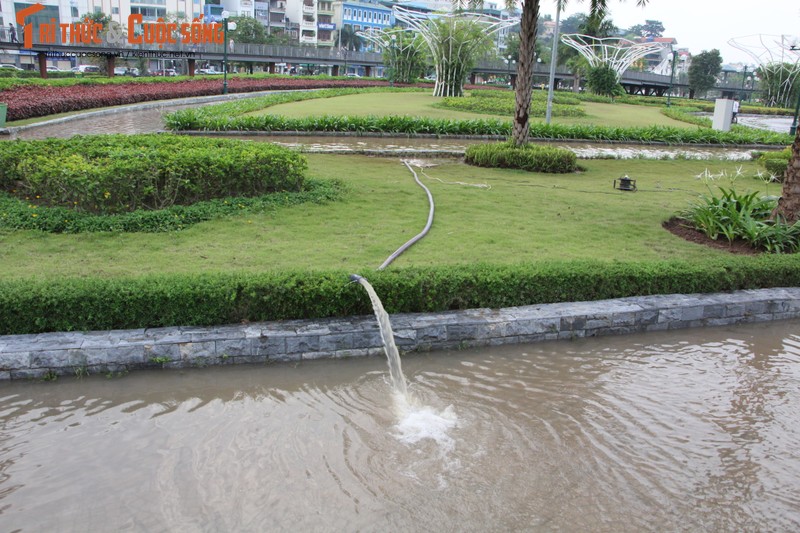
{"type": "Point", "coordinates": [421, 104]}
{"type": "Point", "coordinates": [523, 217]}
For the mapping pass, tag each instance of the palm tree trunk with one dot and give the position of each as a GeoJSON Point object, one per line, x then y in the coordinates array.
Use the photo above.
{"type": "Point", "coordinates": [527, 42]}
{"type": "Point", "coordinates": [789, 204]}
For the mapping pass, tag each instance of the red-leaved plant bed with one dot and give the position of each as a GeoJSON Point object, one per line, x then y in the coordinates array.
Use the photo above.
{"type": "Point", "coordinates": [29, 101]}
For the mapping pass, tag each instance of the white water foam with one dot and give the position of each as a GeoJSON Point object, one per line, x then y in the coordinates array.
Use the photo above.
{"type": "Point", "coordinates": [419, 423]}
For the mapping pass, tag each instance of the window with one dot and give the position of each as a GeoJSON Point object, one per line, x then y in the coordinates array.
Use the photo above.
{"type": "Point", "coordinates": [115, 11]}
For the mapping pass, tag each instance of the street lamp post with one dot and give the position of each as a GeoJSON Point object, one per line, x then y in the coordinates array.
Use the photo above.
{"type": "Point", "coordinates": [393, 66]}
{"type": "Point", "coordinates": [793, 129]}
{"type": "Point", "coordinates": [672, 76]}
{"type": "Point", "coordinates": [744, 79]}
{"type": "Point", "coordinates": [225, 27]}
{"type": "Point", "coordinates": [508, 69]}
{"type": "Point", "coordinates": [553, 60]}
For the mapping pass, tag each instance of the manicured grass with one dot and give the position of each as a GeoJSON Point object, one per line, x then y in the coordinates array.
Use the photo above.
{"type": "Point", "coordinates": [421, 104]}
{"type": "Point", "coordinates": [523, 217]}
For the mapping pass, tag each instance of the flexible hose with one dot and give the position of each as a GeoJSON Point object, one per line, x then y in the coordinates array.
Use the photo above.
{"type": "Point", "coordinates": [425, 230]}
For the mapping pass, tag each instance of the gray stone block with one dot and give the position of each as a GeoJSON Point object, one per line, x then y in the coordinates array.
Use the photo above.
{"type": "Point", "coordinates": [49, 359]}
{"type": "Point", "coordinates": [302, 344]}
{"type": "Point", "coordinates": [15, 360]}
{"type": "Point", "coordinates": [233, 347]}
{"type": "Point", "coordinates": [189, 351]}
{"type": "Point", "coordinates": [170, 351]}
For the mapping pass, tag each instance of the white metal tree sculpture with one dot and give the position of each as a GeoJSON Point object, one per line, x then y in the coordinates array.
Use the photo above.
{"type": "Point", "coordinates": [451, 39]}
{"type": "Point", "coordinates": [402, 52]}
{"type": "Point", "coordinates": [618, 54]}
{"type": "Point", "coordinates": [778, 57]}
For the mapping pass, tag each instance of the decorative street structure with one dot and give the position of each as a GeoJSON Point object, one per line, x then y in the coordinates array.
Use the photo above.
{"type": "Point", "coordinates": [778, 57]}
{"type": "Point", "coordinates": [451, 40]}
{"type": "Point", "coordinates": [616, 53]}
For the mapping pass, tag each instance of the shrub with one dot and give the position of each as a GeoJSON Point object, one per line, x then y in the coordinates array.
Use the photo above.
{"type": "Point", "coordinates": [33, 306]}
{"type": "Point", "coordinates": [776, 163]}
{"type": "Point", "coordinates": [119, 173]}
{"type": "Point", "coordinates": [16, 214]}
{"type": "Point", "coordinates": [530, 157]}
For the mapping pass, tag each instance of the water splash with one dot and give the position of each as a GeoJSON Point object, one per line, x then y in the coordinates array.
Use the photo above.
{"type": "Point", "coordinates": [387, 335]}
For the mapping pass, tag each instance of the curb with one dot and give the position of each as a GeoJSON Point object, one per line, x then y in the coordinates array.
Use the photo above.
{"type": "Point", "coordinates": [48, 354]}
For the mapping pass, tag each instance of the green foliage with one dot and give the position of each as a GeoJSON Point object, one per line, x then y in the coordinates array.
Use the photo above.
{"type": "Point", "coordinates": [17, 214]}
{"type": "Point", "coordinates": [780, 84]}
{"type": "Point", "coordinates": [528, 157]}
{"type": "Point", "coordinates": [405, 57]}
{"type": "Point", "coordinates": [603, 80]}
{"type": "Point", "coordinates": [505, 106]}
{"type": "Point", "coordinates": [776, 163]}
{"type": "Point", "coordinates": [459, 43]}
{"type": "Point", "coordinates": [204, 300]}
{"type": "Point", "coordinates": [743, 216]}
{"type": "Point", "coordinates": [120, 173]}
{"type": "Point", "coordinates": [704, 70]}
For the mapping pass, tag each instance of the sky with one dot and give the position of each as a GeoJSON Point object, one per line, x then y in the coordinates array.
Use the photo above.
{"type": "Point", "coordinates": [702, 24]}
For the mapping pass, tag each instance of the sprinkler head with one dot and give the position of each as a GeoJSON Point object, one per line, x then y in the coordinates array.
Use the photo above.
{"type": "Point", "coordinates": [355, 278]}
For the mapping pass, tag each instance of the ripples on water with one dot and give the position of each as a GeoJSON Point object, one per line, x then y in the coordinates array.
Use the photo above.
{"type": "Point", "coordinates": [688, 431]}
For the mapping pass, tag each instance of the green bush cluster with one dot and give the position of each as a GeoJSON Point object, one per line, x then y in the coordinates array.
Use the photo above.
{"type": "Point", "coordinates": [120, 173]}
{"type": "Point", "coordinates": [743, 216]}
{"type": "Point", "coordinates": [505, 106]}
{"type": "Point", "coordinates": [16, 214]}
{"type": "Point", "coordinates": [776, 163]}
{"type": "Point", "coordinates": [204, 300]}
{"type": "Point", "coordinates": [530, 157]}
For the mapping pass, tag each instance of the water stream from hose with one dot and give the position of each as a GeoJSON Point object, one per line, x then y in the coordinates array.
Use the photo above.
{"type": "Point", "coordinates": [387, 335]}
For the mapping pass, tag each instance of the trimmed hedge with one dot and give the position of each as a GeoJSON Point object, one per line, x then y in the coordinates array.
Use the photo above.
{"type": "Point", "coordinates": [33, 306]}
{"type": "Point", "coordinates": [16, 214]}
{"type": "Point", "coordinates": [776, 163]}
{"type": "Point", "coordinates": [531, 157]}
{"type": "Point", "coordinates": [122, 173]}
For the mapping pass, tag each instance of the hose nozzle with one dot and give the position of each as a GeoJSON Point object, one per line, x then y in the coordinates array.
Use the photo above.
{"type": "Point", "coordinates": [355, 278]}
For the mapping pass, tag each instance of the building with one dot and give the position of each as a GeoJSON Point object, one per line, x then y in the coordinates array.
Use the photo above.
{"type": "Point", "coordinates": [362, 16]}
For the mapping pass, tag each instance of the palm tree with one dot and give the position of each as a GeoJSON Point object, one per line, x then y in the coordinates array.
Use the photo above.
{"type": "Point", "coordinates": [789, 204]}
{"type": "Point", "coordinates": [349, 39]}
{"type": "Point", "coordinates": [527, 38]}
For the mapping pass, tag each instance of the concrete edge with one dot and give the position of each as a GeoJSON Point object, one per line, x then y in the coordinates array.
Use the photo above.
{"type": "Point", "coordinates": [82, 353]}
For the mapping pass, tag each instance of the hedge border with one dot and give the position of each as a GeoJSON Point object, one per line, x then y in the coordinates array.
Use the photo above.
{"type": "Point", "coordinates": [35, 306]}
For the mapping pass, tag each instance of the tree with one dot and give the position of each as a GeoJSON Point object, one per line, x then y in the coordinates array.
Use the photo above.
{"type": "Point", "coordinates": [527, 59]}
{"type": "Point", "coordinates": [789, 203]}
{"type": "Point", "coordinates": [248, 30]}
{"type": "Point", "coordinates": [650, 29]}
{"type": "Point", "coordinates": [703, 71]}
{"type": "Point", "coordinates": [349, 39]}
{"type": "Point", "coordinates": [98, 17]}
{"type": "Point", "coordinates": [603, 80]}
{"type": "Point", "coordinates": [780, 84]}
{"type": "Point", "coordinates": [405, 57]}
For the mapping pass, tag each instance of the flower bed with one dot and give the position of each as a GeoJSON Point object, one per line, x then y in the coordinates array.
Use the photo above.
{"type": "Point", "coordinates": [37, 100]}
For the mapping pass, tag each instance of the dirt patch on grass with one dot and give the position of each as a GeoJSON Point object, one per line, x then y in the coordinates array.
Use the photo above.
{"type": "Point", "coordinates": [678, 227]}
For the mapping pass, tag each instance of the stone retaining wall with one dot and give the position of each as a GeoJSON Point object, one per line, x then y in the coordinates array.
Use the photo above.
{"type": "Point", "coordinates": [47, 354]}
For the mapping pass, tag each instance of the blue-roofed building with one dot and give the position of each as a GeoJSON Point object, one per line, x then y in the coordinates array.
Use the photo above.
{"type": "Point", "coordinates": [363, 16]}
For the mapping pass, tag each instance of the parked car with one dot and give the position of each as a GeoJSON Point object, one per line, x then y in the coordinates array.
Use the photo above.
{"type": "Point", "coordinates": [165, 72]}
{"type": "Point", "coordinates": [208, 71]}
{"type": "Point", "coordinates": [54, 69]}
{"type": "Point", "coordinates": [120, 71]}
{"type": "Point", "coordinates": [85, 69]}
{"type": "Point", "coordinates": [10, 67]}
{"type": "Point", "coordinates": [352, 75]}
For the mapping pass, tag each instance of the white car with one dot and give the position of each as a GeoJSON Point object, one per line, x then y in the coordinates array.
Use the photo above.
{"type": "Point", "coordinates": [54, 69]}
{"type": "Point", "coordinates": [10, 67]}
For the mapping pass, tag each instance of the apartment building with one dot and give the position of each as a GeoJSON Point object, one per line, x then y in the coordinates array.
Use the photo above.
{"type": "Point", "coordinates": [363, 16]}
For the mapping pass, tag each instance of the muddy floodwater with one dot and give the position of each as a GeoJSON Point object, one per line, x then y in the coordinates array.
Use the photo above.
{"type": "Point", "coordinates": [695, 430]}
